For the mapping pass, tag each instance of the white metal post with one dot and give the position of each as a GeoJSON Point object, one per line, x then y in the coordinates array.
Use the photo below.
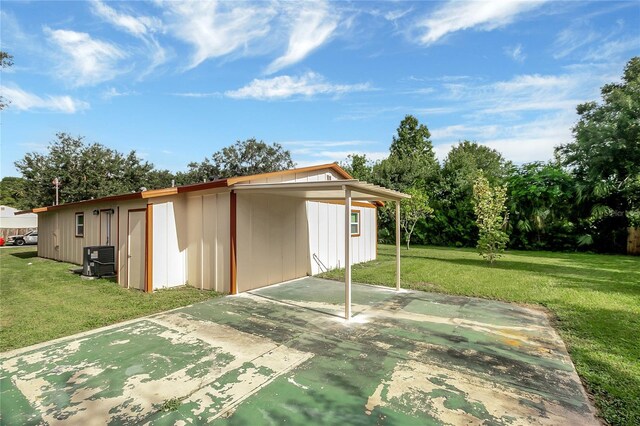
{"type": "Point", "coordinates": [398, 245]}
{"type": "Point", "coordinates": [347, 253]}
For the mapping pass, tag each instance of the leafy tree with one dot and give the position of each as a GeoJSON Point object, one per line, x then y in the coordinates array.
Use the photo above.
{"type": "Point", "coordinates": [85, 171]}
{"type": "Point", "coordinates": [157, 179]}
{"type": "Point", "coordinates": [412, 140]}
{"type": "Point", "coordinates": [491, 216]}
{"type": "Point", "coordinates": [6, 60]}
{"type": "Point", "coordinates": [401, 173]}
{"type": "Point", "coordinates": [604, 157]}
{"type": "Point", "coordinates": [411, 151]}
{"type": "Point", "coordinates": [247, 157]}
{"type": "Point", "coordinates": [412, 210]}
{"type": "Point", "coordinates": [13, 192]}
{"type": "Point", "coordinates": [411, 164]}
{"type": "Point", "coordinates": [454, 220]}
{"type": "Point", "coordinates": [541, 207]}
{"type": "Point", "coordinates": [358, 166]}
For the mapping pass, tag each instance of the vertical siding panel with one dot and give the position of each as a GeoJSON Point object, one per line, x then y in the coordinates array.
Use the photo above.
{"type": "Point", "coordinates": [340, 235]}
{"type": "Point", "coordinates": [209, 210]}
{"type": "Point", "coordinates": [312, 217]}
{"type": "Point", "coordinates": [260, 244]}
{"type": "Point", "coordinates": [303, 266]}
{"type": "Point", "coordinates": [224, 223]}
{"type": "Point", "coordinates": [323, 237]}
{"type": "Point", "coordinates": [275, 225]}
{"type": "Point", "coordinates": [159, 251]}
{"type": "Point", "coordinates": [194, 232]}
{"type": "Point", "coordinates": [122, 246]}
{"type": "Point", "coordinates": [244, 231]}
{"type": "Point", "coordinates": [289, 212]}
{"type": "Point", "coordinates": [332, 236]}
{"type": "Point", "coordinates": [213, 255]}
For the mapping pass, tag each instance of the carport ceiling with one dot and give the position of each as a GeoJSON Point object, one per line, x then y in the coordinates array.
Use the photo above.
{"type": "Point", "coordinates": [324, 190]}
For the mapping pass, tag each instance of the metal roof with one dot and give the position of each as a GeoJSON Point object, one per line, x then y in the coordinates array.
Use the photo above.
{"type": "Point", "coordinates": [318, 190]}
{"type": "Point", "coordinates": [324, 190]}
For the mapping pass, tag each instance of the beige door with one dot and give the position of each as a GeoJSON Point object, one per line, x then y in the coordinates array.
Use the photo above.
{"type": "Point", "coordinates": [105, 228]}
{"type": "Point", "coordinates": [136, 250]}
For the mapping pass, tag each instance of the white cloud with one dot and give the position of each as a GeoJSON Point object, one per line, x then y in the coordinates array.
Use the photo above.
{"type": "Point", "coordinates": [613, 49]}
{"type": "Point", "coordinates": [533, 141]}
{"type": "Point", "coordinates": [515, 52]}
{"type": "Point", "coordinates": [571, 39]}
{"type": "Point", "coordinates": [25, 101]}
{"type": "Point", "coordinates": [199, 94]}
{"type": "Point", "coordinates": [282, 87]}
{"type": "Point", "coordinates": [135, 25]}
{"type": "Point", "coordinates": [316, 143]}
{"type": "Point", "coordinates": [112, 92]}
{"type": "Point", "coordinates": [455, 16]}
{"type": "Point", "coordinates": [324, 157]}
{"type": "Point", "coordinates": [141, 27]}
{"type": "Point", "coordinates": [216, 29]}
{"type": "Point", "coordinates": [520, 143]}
{"type": "Point", "coordinates": [84, 60]}
{"type": "Point", "coordinates": [312, 152]}
{"type": "Point", "coordinates": [394, 15]}
{"type": "Point", "coordinates": [433, 110]}
{"type": "Point", "coordinates": [528, 92]}
{"type": "Point", "coordinates": [462, 131]}
{"type": "Point", "coordinates": [524, 117]}
{"type": "Point", "coordinates": [312, 26]}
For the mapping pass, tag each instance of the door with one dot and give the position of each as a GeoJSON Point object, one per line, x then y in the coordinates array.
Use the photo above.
{"type": "Point", "coordinates": [136, 249]}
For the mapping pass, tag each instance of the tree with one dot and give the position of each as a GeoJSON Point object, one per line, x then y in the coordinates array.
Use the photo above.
{"type": "Point", "coordinates": [604, 157]}
{"type": "Point", "coordinates": [412, 140]}
{"type": "Point", "coordinates": [358, 166]}
{"type": "Point", "coordinates": [244, 158]}
{"type": "Point", "coordinates": [157, 179]}
{"type": "Point", "coordinates": [411, 162]}
{"type": "Point", "coordinates": [412, 210]}
{"type": "Point", "coordinates": [85, 171]}
{"type": "Point", "coordinates": [542, 214]}
{"type": "Point", "coordinates": [13, 192]}
{"type": "Point", "coordinates": [454, 221]}
{"type": "Point", "coordinates": [6, 60]}
{"type": "Point", "coordinates": [491, 214]}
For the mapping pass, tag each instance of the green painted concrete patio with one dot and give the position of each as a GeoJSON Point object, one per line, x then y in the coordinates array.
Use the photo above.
{"type": "Point", "coordinates": [283, 354]}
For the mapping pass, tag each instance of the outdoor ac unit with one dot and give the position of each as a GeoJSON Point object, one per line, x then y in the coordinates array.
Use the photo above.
{"type": "Point", "coordinates": [98, 261]}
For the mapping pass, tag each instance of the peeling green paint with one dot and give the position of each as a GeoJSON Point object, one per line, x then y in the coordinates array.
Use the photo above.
{"type": "Point", "coordinates": [282, 355]}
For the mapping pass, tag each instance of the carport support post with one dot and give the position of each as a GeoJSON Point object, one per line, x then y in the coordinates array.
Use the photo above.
{"type": "Point", "coordinates": [398, 245]}
{"type": "Point", "coordinates": [347, 254]}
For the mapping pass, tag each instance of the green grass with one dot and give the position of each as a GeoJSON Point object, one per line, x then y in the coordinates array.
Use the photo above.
{"type": "Point", "coordinates": [595, 300]}
{"type": "Point", "coordinates": [41, 300]}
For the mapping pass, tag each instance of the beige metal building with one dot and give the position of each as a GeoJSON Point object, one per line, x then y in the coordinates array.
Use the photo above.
{"type": "Point", "coordinates": [229, 235]}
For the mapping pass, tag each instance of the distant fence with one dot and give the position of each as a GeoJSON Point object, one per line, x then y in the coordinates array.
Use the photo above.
{"type": "Point", "coordinates": [633, 241]}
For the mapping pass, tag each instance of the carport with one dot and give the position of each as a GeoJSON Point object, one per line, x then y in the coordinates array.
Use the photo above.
{"type": "Point", "coordinates": [347, 191]}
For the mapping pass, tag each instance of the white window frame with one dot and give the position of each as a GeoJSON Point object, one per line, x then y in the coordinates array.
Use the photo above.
{"type": "Point", "coordinates": [357, 223]}
{"type": "Point", "coordinates": [81, 233]}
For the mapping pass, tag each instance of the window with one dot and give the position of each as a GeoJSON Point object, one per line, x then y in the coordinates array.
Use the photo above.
{"type": "Point", "coordinates": [79, 224]}
{"type": "Point", "coordinates": [355, 223]}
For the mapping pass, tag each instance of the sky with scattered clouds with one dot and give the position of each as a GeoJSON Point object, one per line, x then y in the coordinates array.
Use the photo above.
{"type": "Point", "coordinates": [176, 81]}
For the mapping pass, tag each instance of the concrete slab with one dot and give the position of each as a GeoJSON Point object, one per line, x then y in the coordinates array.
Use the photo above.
{"type": "Point", "coordinates": [282, 354]}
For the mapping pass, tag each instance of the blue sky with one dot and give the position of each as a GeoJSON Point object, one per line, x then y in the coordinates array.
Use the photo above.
{"type": "Point", "coordinates": [176, 81]}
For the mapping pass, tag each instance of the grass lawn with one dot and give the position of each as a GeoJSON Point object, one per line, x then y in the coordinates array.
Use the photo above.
{"type": "Point", "coordinates": [595, 300]}
{"type": "Point", "coordinates": [41, 300]}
